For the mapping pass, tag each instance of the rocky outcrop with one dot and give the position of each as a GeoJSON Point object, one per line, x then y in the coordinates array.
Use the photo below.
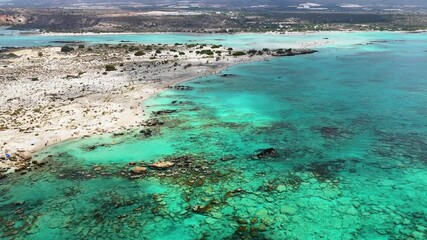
{"type": "Point", "coordinates": [292, 52]}
{"type": "Point", "coordinates": [138, 170]}
{"type": "Point", "coordinates": [162, 165]}
{"type": "Point", "coordinates": [24, 155]}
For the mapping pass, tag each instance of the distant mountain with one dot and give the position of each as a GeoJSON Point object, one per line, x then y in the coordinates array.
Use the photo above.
{"type": "Point", "coordinates": [229, 3]}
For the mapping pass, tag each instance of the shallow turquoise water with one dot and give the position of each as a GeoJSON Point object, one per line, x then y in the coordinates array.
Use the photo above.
{"type": "Point", "coordinates": [238, 41]}
{"type": "Point", "coordinates": [349, 125]}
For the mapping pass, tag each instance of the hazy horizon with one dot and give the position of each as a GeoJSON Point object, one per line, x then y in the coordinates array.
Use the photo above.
{"type": "Point", "coordinates": [226, 3]}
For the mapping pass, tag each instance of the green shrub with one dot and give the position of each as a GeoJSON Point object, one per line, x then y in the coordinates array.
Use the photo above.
{"type": "Point", "coordinates": [236, 54]}
{"type": "Point", "coordinates": [67, 49]}
{"type": "Point", "coordinates": [133, 49]}
{"type": "Point", "coordinates": [191, 45]}
{"type": "Point", "coordinates": [139, 53]}
{"type": "Point", "coordinates": [207, 52]}
{"type": "Point", "coordinates": [81, 46]}
{"type": "Point", "coordinates": [110, 67]}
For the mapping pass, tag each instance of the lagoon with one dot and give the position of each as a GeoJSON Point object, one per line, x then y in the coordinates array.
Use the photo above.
{"type": "Point", "coordinates": [348, 127]}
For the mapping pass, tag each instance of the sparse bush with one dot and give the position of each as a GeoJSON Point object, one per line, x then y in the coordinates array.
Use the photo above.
{"type": "Point", "coordinates": [40, 54]}
{"type": "Point", "coordinates": [207, 52]}
{"type": "Point", "coordinates": [81, 46]}
{"type": "Point", "coordinates": [236, 54]}
{"type": "Point", "coordinates": [110, 67]}
{"type": "Point", "coordinates": [158, 51]}
{"type": "Point", "coordinates": [133, 49]}
{"type": "Point", "coordinates": [139, 53]}
{"type": "Point", "coordinates": [67, 49]}
{"type": "Point", "coordinates": [181, 53]}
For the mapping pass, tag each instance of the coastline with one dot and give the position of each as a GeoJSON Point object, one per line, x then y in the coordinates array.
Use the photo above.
{"type": "Point", "coordinates": [290, 33]}
{"type": "Point", "coordinates": [142, 106]}
{"type": "Point", "coordinates": [99, 113]}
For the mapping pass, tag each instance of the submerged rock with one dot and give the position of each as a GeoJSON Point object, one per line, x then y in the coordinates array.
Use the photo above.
{"type": "Point", "coordinates": [181, 88]}
{"type": "Point", "coordinates": [228, 75]}
{"type": "Point", "coordinates": [324, 171]}
{"type": "Point", "coordinates": [163, 112]}
{"type": "Point", "coordinates": [175, 102]}
{"type": "Point", "coordinates": [268, 152]}
{"type": "Point", "coordinates": [288, 210]}
{"type": "Point", "coordinates": [329, 132]}
{"type": "Point", "coordinates": [228, 158]}
{"type": "Point", "coordinates": [146, 132]}
{"type": "Point", "coordinates": [152, 123]}
{"type": "Point", "coordinates": [41, 162]}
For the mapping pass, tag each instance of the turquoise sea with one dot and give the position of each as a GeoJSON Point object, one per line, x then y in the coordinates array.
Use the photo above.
{"type": "Point", "coordinates": [348, 126]}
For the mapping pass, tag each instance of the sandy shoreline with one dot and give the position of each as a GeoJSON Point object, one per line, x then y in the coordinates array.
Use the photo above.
{"type": "Point", "coordinates": [290, 33]}
{"type": "Point", "coordinates": [42, 108]}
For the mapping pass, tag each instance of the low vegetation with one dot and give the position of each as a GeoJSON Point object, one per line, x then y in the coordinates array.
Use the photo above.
{"type": "Point", "coordinates": [139, 53]}
{"type": "Point", "coordinates": [67, 49]}
{"type": "Point", "coordinates": [110, 67]}
{"type": "Point", "coordinates": [239, 53]}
